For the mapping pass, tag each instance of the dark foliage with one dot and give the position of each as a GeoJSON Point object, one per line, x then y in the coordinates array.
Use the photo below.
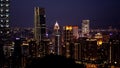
{"type": "Point", "coordinates": [51, 61]}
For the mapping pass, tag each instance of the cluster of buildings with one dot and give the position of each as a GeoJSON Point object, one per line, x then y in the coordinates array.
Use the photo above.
{"type": "Point", "coordinates": [85, 45]}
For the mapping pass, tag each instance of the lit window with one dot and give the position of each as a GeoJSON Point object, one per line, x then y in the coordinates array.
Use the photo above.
{"type": "Point", "coordinates": [1, 0]}
{"type": "Point", "coordinates": [7, 20]}
{"type": "Point", "coordinates": [1, 15]}
{"type": "Point", "coordinates": [1, 10]}
{"type": "Point", "coordinates": [7, 5]}
{"type": "Point", "coordinates": [1, 20]}
{"type": "Point", "coordinates": [7, 25]}
{"type": "Point", "coordinates": [7, 0]}
{"type": "Point", "coordinates": [1, 4]}
{"type": "Point", "coordinates": [7, 10]}
{"type": "Point", "coordinates": [7, 15]}
{"type": "Point", "coordinates": [44, 15]}
{"type": "Point", "coordinates": [1, 25]}
{"type": "Point", "coordinates": [8, 32]}
{"type": "Point", "coordinates": [1, 32]}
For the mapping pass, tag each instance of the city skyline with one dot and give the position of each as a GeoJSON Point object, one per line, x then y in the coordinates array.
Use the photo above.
{"type": "Point", "coordinates": [38, 30]}
{"type": "Point", "coordinates": [101, 14]}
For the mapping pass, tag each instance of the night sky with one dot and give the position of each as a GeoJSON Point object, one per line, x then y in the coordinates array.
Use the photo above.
{"type": "Point", "coordinates": [101, 13]}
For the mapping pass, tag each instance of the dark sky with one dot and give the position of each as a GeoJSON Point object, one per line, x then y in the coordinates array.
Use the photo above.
{"type": "Point", "coordinates": [101, 13]}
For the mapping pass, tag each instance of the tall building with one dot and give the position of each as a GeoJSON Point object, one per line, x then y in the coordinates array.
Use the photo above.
{"type": "Point", "coordinates": [85, 28]}
{"type": "Point", "coordinates": [4, 28]}
{"type": "Point", "coordinates": [39, 27]}
{"type": "Point", "coordinates": [4, 20]}
{"type": "Point", "coordinates": [68, 33]}
{"type": "Point", "coordinates": [40, 23]}
{"type": "Point", "coordinates": [68, 39]}
{"type": "Point", "coordinates": [114, 50]}
{"type": "Point", "coordinates": [75, 32]}
{"type": "Point", "coordinates": [57, 40]}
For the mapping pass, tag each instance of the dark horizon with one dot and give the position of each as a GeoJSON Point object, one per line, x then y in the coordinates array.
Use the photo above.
{"type": "Point", "coordinates": [101, 14]}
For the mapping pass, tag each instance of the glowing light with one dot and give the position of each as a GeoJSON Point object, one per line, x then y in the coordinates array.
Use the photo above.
{"type": "Point", "coordinates": [17, 38]}
{"type": "Point", "coordinates": [99, 42]}
{"type": "Point", "coordinates": [25, 44]}
{"type": "Point", "coordinates": [68, 27]}
{"type": "Point", "coordinates": [91, 66]}
{"type": "Point", "coordinates": [56, 27]}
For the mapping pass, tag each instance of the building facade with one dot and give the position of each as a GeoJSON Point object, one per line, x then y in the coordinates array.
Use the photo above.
{"type": "Point", "coordinates": [85, 28]}
{"type": "Point", "coordinates": [4, 19]}
{"type": "Point", "coordinates": [4, 28]}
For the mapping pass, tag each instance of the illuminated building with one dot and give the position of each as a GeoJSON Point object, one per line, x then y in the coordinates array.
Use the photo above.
{"type": "Point", "coordinates": [89, 49]}
{"type": "Point", "coordinates": [99, 37]}
{"type": "Point", "coordinates": [68, 33]}
{"type": "Point", "coordinates": [4, 19]}
{"type": "Point", "coordinates": [75, 32]}
{"type": "Point", "coordinates": [57, 39]}
{"type": "Point", "coordinates": [40, 23]}
{"type": "Point", "coordinates": [40, 29]}
{"type": "Point", "coordinates": [4, 28]}
{"type": "Point", "coordinates": [85, 28]}
{"type": "Point", "coordinates": [68, 38]}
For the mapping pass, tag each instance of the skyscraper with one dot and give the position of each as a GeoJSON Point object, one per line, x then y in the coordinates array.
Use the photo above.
{"type": "Point", "coordinates": [40, 23]}
{"type": "Point", "coordinates": [68, 39]}
{"type": "Point", "coordinates": [57, 38]}
{"type": "Point", "coordinates": [39, 26]}
{"type": "Point", "coordinates": [75, 32]}
{"type": "Point", "coordinates": [4, 20]}
{"type": "Point", "coordinates": [85, 28]}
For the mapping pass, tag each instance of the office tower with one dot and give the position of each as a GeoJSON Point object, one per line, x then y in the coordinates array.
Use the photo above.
{"type": "Point", "coordinates": [57, 38]}
{"type": "Point", "coordinates": [39, 28]}
{"type": "Point", "coordinates": [40, 23]}
{"type": "Point", "coordinates": [68, 33]}
{"type": "Point", "coordinates": [85, 28]}
{"type": "Point", "coordinates": [68, 38]}
{"type": "Point", "coordinates": [75, 32]}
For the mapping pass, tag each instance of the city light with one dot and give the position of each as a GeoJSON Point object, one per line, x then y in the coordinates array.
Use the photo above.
{"type": "Point", "coordinates": [99, 42]}
{"type": "Point", "coordinates": [69, 28]}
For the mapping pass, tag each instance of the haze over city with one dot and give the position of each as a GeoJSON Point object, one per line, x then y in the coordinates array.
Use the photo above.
{"type": "Point", "coordinates": [101, 13]}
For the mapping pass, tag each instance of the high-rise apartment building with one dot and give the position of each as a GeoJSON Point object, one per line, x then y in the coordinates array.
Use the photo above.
{"type": "Point", "coordinates": [85, 28]}
{"type": "Point", "coordinates": [40, 28]}
{"type": "Point", "coordinates": [4, 20]}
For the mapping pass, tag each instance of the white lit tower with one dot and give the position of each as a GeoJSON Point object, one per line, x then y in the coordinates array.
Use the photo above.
{"type": "Point", "coordinates": [57, 39]}
{"type": "Point", "coordinates": [85, 28]}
